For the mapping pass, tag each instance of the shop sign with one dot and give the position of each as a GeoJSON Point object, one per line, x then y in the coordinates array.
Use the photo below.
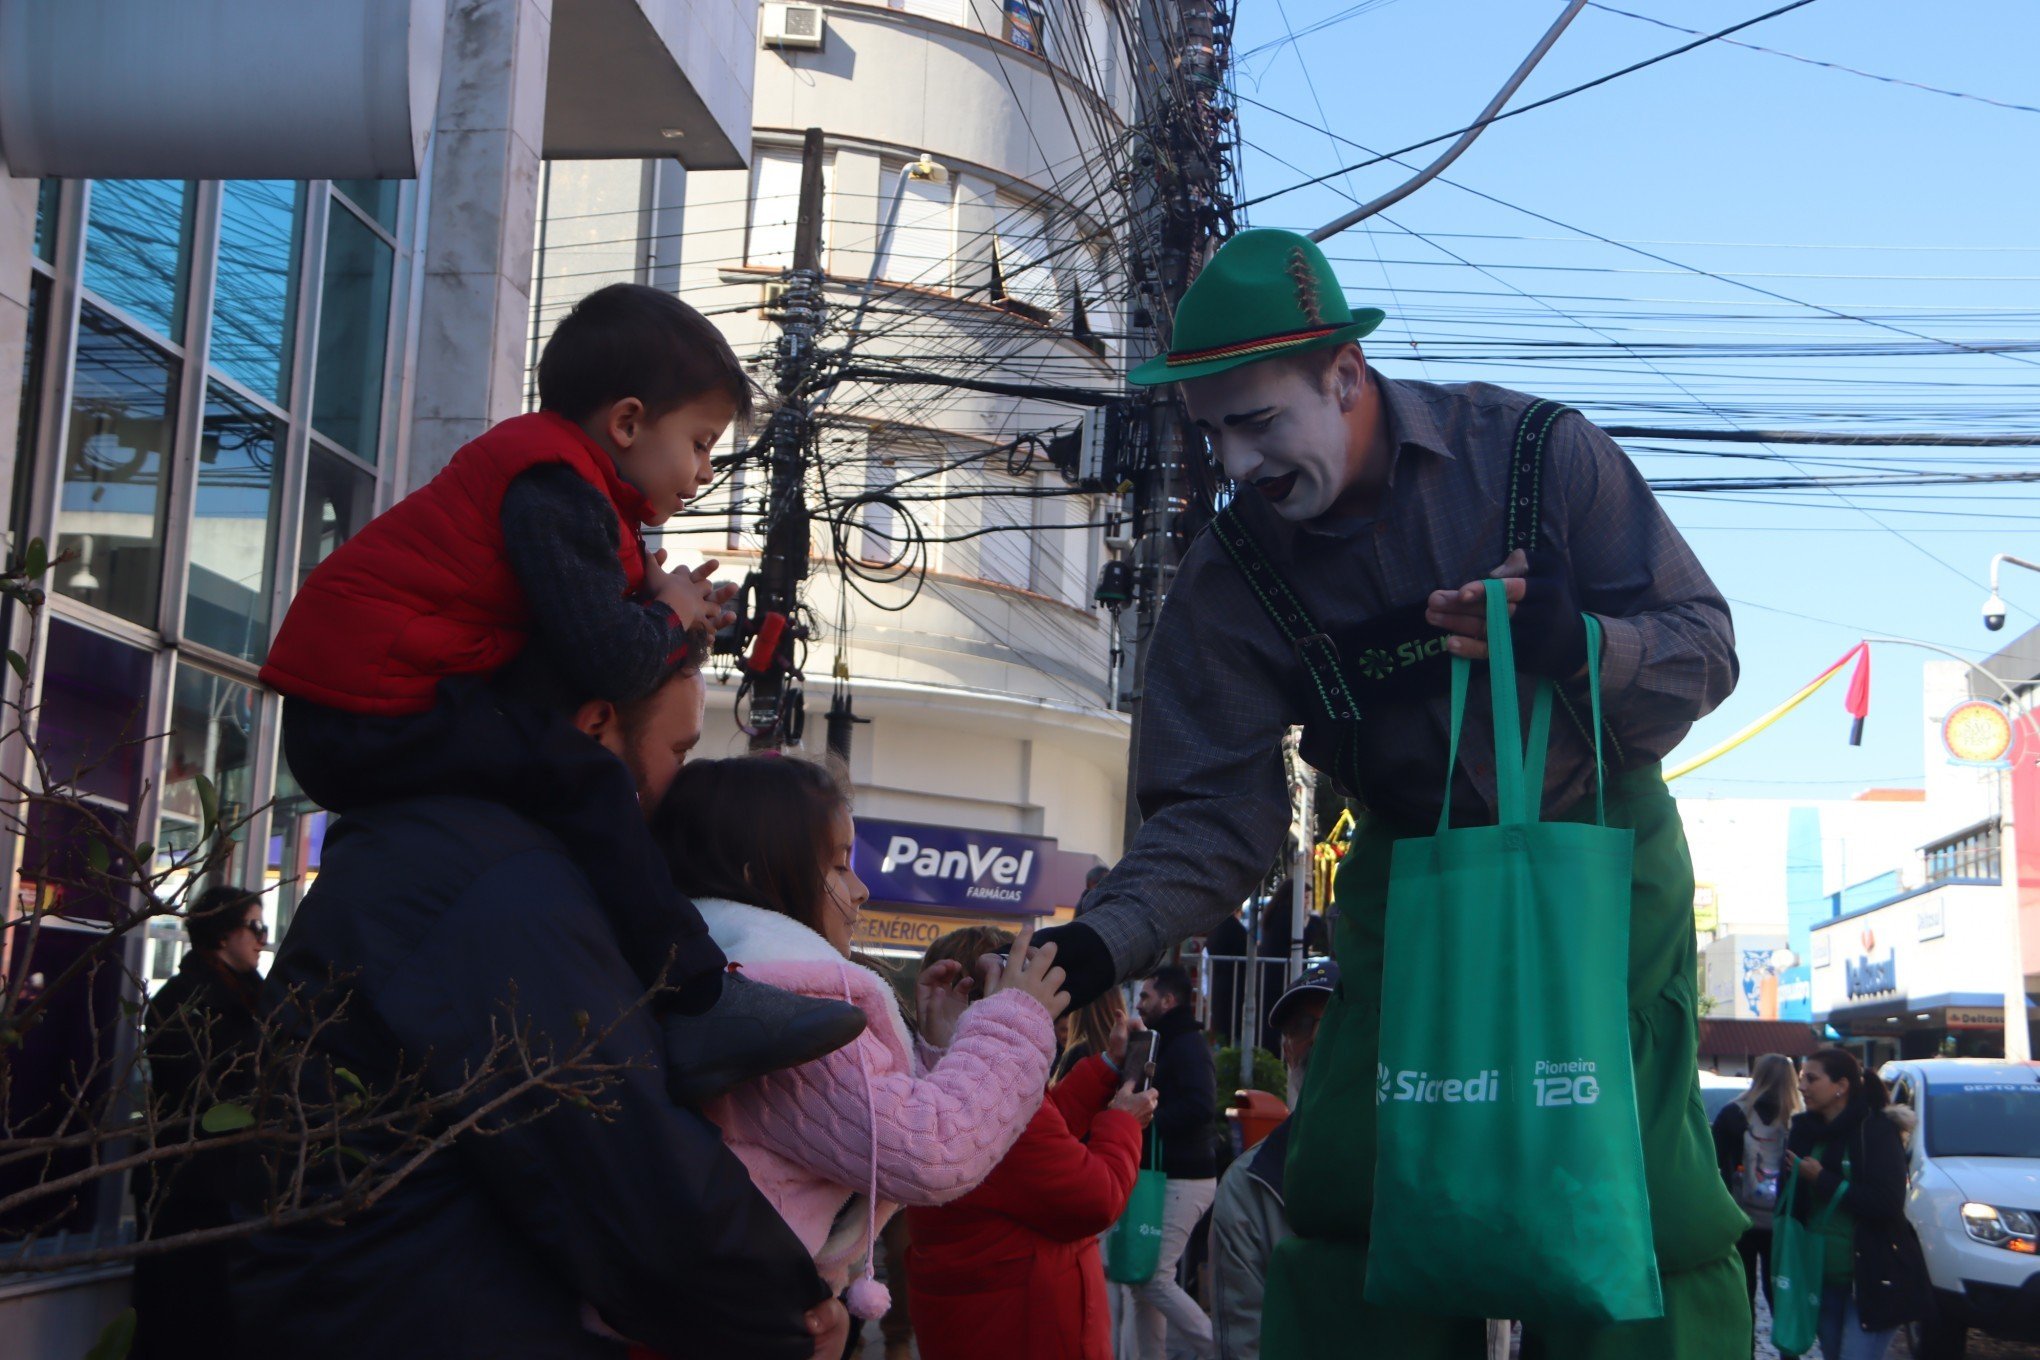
{"type": "Point", "coordinates": [1820, 950]}
{"type": "Point", "coordinates": [943, 867]}
{"type": "Point", "coordinates": [1933, 920]}
{"type": "Point", "coordinates": [1976, 1017]}
{"type": "Point", "coordinates": [1977, 732]}
{"type": "Point", "coordinates": [1871, 976]}
{"type": "Point", "coordinates": [902, 930]}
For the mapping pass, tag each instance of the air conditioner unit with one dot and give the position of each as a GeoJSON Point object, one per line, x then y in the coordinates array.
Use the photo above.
{"type": "Point", "coordinates": [797, 26]}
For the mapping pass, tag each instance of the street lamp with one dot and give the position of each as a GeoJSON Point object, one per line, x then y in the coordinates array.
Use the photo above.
{"type": "Point", "coordinates": [1994, 607]}
{"type": "Point", "coordinates": [2018, 1036]}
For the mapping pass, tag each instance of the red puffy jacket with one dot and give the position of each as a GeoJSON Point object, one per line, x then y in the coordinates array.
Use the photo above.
{"type": "Point", "coordinates": [1011, 1271]}
{"type": "Point", "coordinates": [425, 590]}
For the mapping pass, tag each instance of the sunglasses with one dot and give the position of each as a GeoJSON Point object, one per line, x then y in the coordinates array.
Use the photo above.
{"type": "Point", "coordinates": [258, 927]}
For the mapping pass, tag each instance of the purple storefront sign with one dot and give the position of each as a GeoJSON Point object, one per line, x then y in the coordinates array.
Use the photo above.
{"type": "Point", "coordinates": [907, 864]}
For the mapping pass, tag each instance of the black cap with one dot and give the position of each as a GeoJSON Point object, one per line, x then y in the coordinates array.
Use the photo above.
{"type": "Point", "coordinates": [1323, 979]}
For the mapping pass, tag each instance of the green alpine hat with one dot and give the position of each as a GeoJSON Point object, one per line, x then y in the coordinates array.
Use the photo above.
{"type": "Point", "coordinates": [1266, 293]}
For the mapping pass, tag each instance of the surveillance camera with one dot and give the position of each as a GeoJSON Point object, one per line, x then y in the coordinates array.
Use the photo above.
{"type": "Point", "coordinates": [1994, 613]}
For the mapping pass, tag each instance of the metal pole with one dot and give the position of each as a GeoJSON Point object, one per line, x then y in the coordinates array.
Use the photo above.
{"type": "Point", "coordinates": [784, 563]}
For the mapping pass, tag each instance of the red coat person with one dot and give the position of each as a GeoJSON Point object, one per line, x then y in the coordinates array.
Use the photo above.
{"type": "Point", "coordinates": [1011, 1271]}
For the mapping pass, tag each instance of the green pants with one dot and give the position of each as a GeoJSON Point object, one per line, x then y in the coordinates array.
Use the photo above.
{"type": "Point", "coordinates": [1314, 1307]}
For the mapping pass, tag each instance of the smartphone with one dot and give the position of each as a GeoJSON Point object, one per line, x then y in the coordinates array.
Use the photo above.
{"type": "Point", "coordinates": [1140, 1053]}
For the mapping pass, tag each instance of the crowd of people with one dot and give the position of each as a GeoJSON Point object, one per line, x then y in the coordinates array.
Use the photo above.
{"type": "Point", "coordinates": [497, 686]}
{"type": "Point", "coordinates": [498, 689]}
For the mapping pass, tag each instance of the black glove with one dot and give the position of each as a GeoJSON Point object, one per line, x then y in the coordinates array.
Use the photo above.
{"type": "Point", "coordinates": [1549, 632]}
{"type": "Point", "coordinates": [1088, 971]}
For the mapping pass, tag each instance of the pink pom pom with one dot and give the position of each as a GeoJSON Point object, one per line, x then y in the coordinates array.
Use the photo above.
{"type": "Point", "coordinates": [868, 1299]}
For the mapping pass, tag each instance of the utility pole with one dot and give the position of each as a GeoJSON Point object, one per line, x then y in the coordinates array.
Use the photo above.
{"type": "Point", "coordinates": [1180, 213]}
{"type": "Point", "coordinates": [772, 626]}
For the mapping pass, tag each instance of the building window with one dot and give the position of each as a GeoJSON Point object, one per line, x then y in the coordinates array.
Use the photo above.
{"type": "Point", "coordinates": [138, 247]}
{"type": "Point", "coordinates": [919, 247]}
{"type": "Point", "coordinates": [212, 733]}
{"type": "Point", "coordinates": [354, 321]}
{"type": "Point", "coordinates": [775, 208]}
{"type": "Point", "coordinates": [255, 290]}
{"type": "Point", "coordinates": [376, 199]}
{"type": "Point", "coordinates": [1027, 279]}
{"type": "Point", "coordinates": [339, 499]}
{"type": "Point", "coordinates": [1973, 854]}
{"type": "Point", "coordinates": [233, 527]}
{"type": "Point", "coordinates": [46, 199]}
{"type": "Point", "coordinates": [297, 837]}
{"type": "Point", "coordinates": [110, 516]}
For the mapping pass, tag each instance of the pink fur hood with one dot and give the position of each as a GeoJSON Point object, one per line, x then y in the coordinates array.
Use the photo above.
{"type": "Point", "coordinates": [806, 1134]}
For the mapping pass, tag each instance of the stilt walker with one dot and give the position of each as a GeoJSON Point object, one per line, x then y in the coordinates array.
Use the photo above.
{"type": "Point", "coordinates": [1347, 588]}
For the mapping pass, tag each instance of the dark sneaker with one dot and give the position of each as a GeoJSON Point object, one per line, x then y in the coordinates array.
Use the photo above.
{"type": "Point", "coordinates": [752, 1029]}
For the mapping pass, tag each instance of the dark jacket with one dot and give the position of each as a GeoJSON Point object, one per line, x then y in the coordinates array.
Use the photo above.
{"type": "Point", "coordinates": [1187, 1081]}
{"type": "Point", "coordinates": [1891, 1275]}
{"type": "Point", "coordinates": [202, 1020]}
{"type": "Point", "coordinates": [1011, 1271]}
{"type": "Point", "coordinates": [434, 920]}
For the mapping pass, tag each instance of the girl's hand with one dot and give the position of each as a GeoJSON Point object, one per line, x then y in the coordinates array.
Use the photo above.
{"type": "Point", "coordinates": [1807, 1167]}
{"type": "Point", "coordinates": [1115, 1047]}
{"type": "Point", "coordinates": [1028, 970]}
{"type": "Point", "coordinates": [829, 1324]}
{"type": "Point", "coordinates": [1139, 1104]}
{"type": "Point", "coordinates": [940, 995]}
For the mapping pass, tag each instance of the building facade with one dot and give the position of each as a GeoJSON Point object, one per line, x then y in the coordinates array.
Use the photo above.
{"type": "Point", "coordinates": [953, 569]}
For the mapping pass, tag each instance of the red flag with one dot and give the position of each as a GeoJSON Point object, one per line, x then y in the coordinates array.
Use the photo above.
{"type": "Point", "coordinates": [1858, 702]}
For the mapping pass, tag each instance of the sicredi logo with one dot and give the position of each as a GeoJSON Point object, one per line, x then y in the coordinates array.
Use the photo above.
{"type": "Point", "coordinates": [1421, 1088]}
{"type": "Point", "coordinates": [1009, 873]}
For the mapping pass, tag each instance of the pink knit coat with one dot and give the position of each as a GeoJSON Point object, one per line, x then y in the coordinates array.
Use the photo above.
{"type": "Point", "coordinates": [805, 1133]}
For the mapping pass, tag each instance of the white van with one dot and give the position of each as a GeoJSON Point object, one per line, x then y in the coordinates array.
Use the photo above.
{"type": "Point", "coordinates": [1974, 1196]}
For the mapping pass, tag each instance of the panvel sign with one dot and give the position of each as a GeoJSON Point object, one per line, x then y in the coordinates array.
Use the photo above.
{"type": "Point", "coordinates": [948, 868]}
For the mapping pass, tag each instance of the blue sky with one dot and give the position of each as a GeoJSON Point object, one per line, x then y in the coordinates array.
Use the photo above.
{"type": "Point", "coordinates": [1914, 209]}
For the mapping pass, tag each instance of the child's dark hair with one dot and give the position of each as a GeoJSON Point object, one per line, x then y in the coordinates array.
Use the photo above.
{"type": "Point", "coordinates": [628, 340]}
{"type": "Point", "coordinates": [753, 829]}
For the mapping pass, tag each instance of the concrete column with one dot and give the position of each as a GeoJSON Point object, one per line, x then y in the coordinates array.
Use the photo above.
{"type": "Point", "coordinates": [17, 248]}
{"type": "Point", "coordinates": [482, 210]}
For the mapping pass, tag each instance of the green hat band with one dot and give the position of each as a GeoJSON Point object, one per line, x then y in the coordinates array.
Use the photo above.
{"type": "Point", "coordinates": [1241, 348]}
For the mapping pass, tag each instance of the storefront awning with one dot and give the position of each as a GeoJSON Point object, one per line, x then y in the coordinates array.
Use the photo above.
{"type": "Point", "coordinates": [1749, 1038]}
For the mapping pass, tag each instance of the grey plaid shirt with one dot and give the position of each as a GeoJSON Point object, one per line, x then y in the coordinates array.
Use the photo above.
{"type": "Point", "coordinates": [1224, 683]}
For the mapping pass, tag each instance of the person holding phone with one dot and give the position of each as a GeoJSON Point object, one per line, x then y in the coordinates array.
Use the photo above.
{"type": "Point", "coordinates": [1012, 1270]}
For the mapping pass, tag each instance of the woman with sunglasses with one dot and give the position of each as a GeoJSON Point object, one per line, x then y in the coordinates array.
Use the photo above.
{"type": "Point", "coordinates": [203, 1029]}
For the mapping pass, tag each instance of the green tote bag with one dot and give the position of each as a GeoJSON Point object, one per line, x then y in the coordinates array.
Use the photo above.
{"type": "Point", "coordinates": [1135, 1245]}
{"type": "Point", "coordinates": [1508, 1178]}
{"type": "Point", "coordinates": [1798, 1261]}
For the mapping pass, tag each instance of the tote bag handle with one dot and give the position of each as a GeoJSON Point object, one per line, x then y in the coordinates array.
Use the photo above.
{"type": "Point", "coordinates": [1519, 764]}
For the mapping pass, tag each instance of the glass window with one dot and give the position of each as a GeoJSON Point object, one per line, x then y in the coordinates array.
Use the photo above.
{"type": "Point", "coordinates": [297, 837]}
{"type": "Point", "coordinates": [110, 514]}
{"type": "Point", "coordinates": [29, 420]}
{"type": "Point", "coordinates": [775, 209]}
{"type": "Point", "coordinates": [90, 729]}
{"type": "Point", "coordinates": [46, 220]}
{"type": "Point", "coordinates": [255, 292]}
{"type": "Point", "coordinates": [1025, 271]}
{"type": "Point", "coordinates": [1007, 516]}
{"type": "Point", "coordinates": [1984, 1119]}
{"type": "Point", "coordinates": [137, 247]}
{"type": "Point", "coordinates": [233, 529]}
{"type": "Point", "coordinates": [212, 733]}
{"type": "Point", "coordinates": [339, 499]}
{"type": "Point", "coordinates": [918, 249]}
{"type": "Point", "coordinates": [375, 197]}
{"type": "Point", "coordinates": [354, 316]}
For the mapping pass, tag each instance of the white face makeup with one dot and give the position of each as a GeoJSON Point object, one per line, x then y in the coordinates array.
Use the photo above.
{"type": "Point", "coordinates": [1277, 434]}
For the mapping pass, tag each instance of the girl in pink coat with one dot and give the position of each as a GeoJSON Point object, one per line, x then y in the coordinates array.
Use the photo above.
{"type": "Point", "coordinates": [763, 844]}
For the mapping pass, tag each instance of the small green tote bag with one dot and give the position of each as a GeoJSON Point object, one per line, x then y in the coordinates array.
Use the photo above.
{"type": "Point", "coordinates": [1508, 1179]}
{"type": "Point", "coordinates": [1798, 1261]}
{"type": "Point", "coordinates": [1135, 1245]}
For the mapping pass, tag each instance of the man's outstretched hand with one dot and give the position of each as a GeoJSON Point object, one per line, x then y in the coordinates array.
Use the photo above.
{"type": "Point", "coordinates": [1087, 965]}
